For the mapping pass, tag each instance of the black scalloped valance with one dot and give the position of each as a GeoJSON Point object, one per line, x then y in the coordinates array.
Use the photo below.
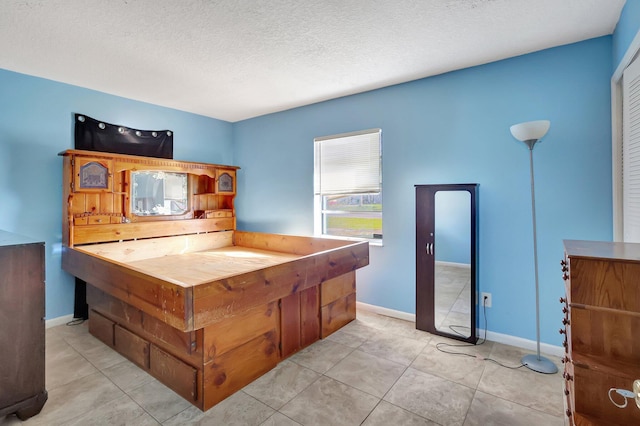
{"type": "Point", "coordinates": [94, 135]}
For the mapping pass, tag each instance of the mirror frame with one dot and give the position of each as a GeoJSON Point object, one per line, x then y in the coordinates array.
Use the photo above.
{"type": "Point", "coordinates": [452, 262]}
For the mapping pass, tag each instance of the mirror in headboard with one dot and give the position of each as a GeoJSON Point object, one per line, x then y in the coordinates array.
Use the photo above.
{"type": "Point", "coordinates": [159, 193]}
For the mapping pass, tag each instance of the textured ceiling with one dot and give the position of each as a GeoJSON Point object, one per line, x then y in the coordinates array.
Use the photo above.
{"type": "Point", "coordinates": [236, 59]}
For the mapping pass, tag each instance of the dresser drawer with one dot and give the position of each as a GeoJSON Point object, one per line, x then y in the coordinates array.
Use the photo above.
{"type": "Point", "coordinates": [592, 397]}
{"type": "Point", "coordinates": [605, 334]}
{"type": "Point", "coordinates": [605, 283]}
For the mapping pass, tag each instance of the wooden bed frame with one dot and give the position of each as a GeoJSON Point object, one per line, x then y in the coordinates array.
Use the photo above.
{"type": "Point", "coordinates": [204, 308]}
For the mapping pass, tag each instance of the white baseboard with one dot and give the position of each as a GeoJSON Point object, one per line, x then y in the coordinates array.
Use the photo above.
{"type": "Point", "coordinates": [491, 336]}
{"type": "Point", "coordinates": [58, 321]}
{"type": "Point", "coordinates": [527, 344]}
{"type": "Point", "coordinates": [386, 312]}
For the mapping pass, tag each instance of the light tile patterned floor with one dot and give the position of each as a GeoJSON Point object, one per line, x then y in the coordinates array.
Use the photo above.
{"type": "Point", "coordinates": [375, 371]}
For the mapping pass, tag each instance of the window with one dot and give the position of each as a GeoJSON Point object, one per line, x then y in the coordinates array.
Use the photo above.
{"type": "Point", "coordinates": [348, 185]}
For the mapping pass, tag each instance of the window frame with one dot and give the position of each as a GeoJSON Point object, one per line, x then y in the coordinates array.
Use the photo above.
{"type": "Point", "coordinates": [319, 210]}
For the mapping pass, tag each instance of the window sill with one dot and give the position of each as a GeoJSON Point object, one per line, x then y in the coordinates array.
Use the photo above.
{"type": "Point", "coordinates": [372, 242]}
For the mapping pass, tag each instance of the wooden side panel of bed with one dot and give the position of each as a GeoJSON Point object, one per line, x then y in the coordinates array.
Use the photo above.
{"type": "Point", "coordinates": [158, 298]}
{"type": "Point", "coordinates": [338, 303]}
{"type": "Point", "coordinates": [226, 297]}
{"type": "Point", "coordinates": [184, 345]}
{"type": "Point", "coordinates": [223, 337]}
{"type": "Point", "coordinates": [235, 369]}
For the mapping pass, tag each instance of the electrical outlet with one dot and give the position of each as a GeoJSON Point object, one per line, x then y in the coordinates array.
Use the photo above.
{"type": "Point", "coordinates": [485, 299]}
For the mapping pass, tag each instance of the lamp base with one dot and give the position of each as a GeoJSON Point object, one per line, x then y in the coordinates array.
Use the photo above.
{"type": "Point", "coordinates": [539, 364]}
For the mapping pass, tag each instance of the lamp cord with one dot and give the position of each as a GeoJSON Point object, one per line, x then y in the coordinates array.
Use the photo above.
{"type": "Point", "coordinates": [439, 346]}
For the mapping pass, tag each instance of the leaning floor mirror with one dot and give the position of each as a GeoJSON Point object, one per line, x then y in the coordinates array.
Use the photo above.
{"type": "Point", "coordinates": [446, 260]}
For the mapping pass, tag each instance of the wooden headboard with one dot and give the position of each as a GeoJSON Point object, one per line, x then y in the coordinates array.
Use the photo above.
{"type": "Point", "coordinates": [97, 198]}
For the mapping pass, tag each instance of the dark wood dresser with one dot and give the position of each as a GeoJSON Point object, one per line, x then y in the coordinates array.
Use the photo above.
{"type": "Point", "coordinates": [22, 338]}
{"type": "Point", "coordinates": [602, 329]}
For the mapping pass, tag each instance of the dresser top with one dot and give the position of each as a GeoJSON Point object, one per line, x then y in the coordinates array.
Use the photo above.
{"type": "Point", "coordinates": [11, 239]}
{"type": "Point", "coordinates": [602, 250]}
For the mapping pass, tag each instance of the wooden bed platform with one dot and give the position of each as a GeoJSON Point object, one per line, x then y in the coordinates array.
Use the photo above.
{"type": "Point", "coordinates": [204, 308]}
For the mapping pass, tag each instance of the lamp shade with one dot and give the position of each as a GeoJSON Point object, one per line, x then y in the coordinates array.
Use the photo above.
{"type": "Point", "coordinates": [531, 130]}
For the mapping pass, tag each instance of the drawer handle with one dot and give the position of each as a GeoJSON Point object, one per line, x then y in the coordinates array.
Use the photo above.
{"type": "Point", "coordinates": [566, 392]}
{"type": "Point", "coordinates": [565, 360]}
{"type": "Point", "coordinates": [562, 331]}
{"type": "Point", "coordinates": [568, 412]}
{"type": "Point", "coordinates": [565, 276]}
{"type": "Point", "coordinates": [565, 321]}
{"type": "Point", "coordinates": [563, 300]}
{"type": "Point", "coordinates": [563, 262]}
{"type": "Point", "coordinates": [567, 376]}
{"type": "Point", "coordinates": [565, 269]}
{"type": "Point", "coordinates": [565, 310]}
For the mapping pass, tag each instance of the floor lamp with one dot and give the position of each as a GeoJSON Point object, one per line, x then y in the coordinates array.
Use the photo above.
{"type": "Point", "coordinates": [530, 133]}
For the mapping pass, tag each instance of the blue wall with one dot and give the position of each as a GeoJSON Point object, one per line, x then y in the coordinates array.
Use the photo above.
{"type": "Point", "coordinates": [36, 123]}
{"type": "Point", "coordinates": [628, 26]}
{"type": "Point", "coordinates": [454, 128]}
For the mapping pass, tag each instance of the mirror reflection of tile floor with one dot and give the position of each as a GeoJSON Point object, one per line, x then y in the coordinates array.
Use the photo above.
{"type": "Point", "coordinates": [452, 298]}
{"type": "Point", "coordinates": [375, 371]}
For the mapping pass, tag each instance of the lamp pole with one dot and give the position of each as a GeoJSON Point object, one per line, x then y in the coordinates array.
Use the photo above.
{"type": "Point", "coordinates": [530, 133]}
{"type": "Point", "coordinates": [536, 362]}
{"type": "Point", "coordinates": [531, 144]}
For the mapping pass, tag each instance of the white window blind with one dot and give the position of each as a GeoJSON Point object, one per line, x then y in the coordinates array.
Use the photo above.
{"type": "Point", "coordinates": [631, 152]}
{"type": "Point", "coordinates": [348, 163]}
